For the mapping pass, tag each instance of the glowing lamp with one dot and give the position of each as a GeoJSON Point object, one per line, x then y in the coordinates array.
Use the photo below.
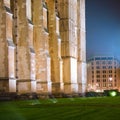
{"type": "Point", "coordinates": [113, 93]}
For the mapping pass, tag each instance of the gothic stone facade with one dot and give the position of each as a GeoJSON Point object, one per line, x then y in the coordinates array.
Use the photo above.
{"type": "Point", "coordinates": [42, 46]}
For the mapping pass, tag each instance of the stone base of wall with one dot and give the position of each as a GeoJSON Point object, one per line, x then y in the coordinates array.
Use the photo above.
{"type": "Point", "coordinates": [33, 86]}
{"type": "Point", "coordinates": [4, 85]}
{"type": "Point", "coordinates": [43, 87]}
{"type": "Point", "coordinates": [12, 85]}
{"type": "Point", "coordinates": [82, 88]}
{"type": "Point", "coordinates": [57, 87]}
{"type": "Point", "coordinates": [7, 85]}
{"type": "Point", "coordinates": [70, 88]}
{"type": "Point", "coordinates": [23, 86]}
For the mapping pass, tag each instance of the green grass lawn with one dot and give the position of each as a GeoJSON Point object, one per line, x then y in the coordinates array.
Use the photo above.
{"type": "Point", "coordinates": [99, 108]}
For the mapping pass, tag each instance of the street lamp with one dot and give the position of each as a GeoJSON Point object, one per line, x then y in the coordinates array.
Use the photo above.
{"type": "Point", "coordinates": [110, 79]}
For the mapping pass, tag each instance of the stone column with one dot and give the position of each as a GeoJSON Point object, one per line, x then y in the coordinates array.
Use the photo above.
{"type": "Point", "coordinates": [68, 20]}
{"type": "Point", "coordinates": [22, 47]}
{"type": "Point", "coordinates": [55, 49]}
{"type": "Point", "coordinates": [7, 49]}
{"type": "Point", "coordinates": [31, 46]}
{"type": "Point", "coordinates": [32, 57]}
{"type": "Point", "coordinates": [81, 33]}
{"type": "Point", "coordinates": [40, 35]}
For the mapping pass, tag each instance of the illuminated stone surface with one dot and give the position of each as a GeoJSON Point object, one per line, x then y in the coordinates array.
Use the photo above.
{"type": "Point", "coordinates": [42, 46]}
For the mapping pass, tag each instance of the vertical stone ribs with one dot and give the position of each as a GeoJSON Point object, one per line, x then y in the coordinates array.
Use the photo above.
{"type": "Point", "coordinates": [55, 49]}
{"type": "Point", "coordinates": [68, 18]}
{"type": "Point", "coordinates": [7, 67]}
{"type": "Point", "coordinates": [41, 46]}
{"type": "Point", "coordinates": [22, 51]}
{"type": "Point", "coordinates": [81, 32]}
{"type": "Point", "coordinates": [15, 33]}
{"type": "Point", "coordinates": [42, 43]}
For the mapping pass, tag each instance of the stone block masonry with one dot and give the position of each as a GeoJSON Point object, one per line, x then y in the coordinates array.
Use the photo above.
{"type": "Point", "coordinates": [42, 44]}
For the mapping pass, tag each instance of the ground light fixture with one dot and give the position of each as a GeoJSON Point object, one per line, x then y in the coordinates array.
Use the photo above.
{"type": "Point", "coordinates": [113, 93]}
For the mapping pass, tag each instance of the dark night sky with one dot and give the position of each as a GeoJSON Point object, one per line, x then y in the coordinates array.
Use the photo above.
{"type": "Point", "coordinates": [103, 27]}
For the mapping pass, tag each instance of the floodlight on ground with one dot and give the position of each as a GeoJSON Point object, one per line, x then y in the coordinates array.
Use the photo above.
{"type": "Point", "coordinates": [113, 93]}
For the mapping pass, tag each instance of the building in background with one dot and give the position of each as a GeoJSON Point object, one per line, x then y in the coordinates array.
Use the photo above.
{"type": "Point", "coordinates": [103, 73]}
{"type": "Point", "coordinates": [42, 46]}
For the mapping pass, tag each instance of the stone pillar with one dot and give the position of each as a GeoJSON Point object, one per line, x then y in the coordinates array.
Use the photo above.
{"type": "Point", "coordinates": [68, 20]}
{"type": "Point", "coordinates": [40, 35]}
{"type": "Point", "coordinates": [32, 56]}
{"type": "Point", "coordinates": [81, 33]}
{"type": "Point", "coordinates": [7, 49]}
{"type": "Point", "coordinates": [55, 49]}
{"type": "Point", "coordinates": [31, 46]}
{"type": "Point", "coordinates": [22, 47]}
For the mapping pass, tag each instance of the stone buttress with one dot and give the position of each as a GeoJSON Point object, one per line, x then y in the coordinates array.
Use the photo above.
{"type": "Point", "coordinates": [68, 20]}
{"type": "Point", "coordinates": [25, 81]}
{"type": "Point", "coordinates": [41, 45]}
{"type": "Point", "coordinates": [55, 49]}
{"type": "Point", "coordinates": [81, 33]}
{"type": "Point", "coordinates": [7, 49]}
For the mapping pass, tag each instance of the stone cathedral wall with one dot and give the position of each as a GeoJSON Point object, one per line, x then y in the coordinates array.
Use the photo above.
{"type": "Point", "coordinates": [42, 46]}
